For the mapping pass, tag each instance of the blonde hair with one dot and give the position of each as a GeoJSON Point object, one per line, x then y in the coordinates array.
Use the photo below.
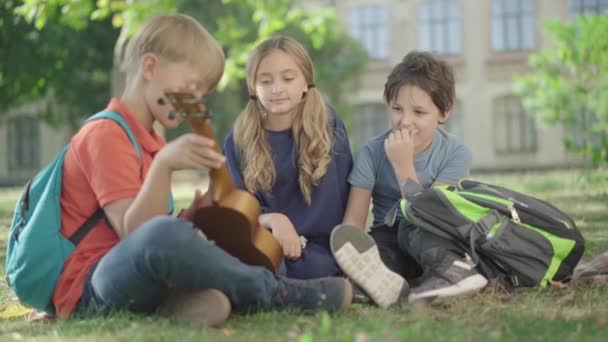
{"type": "Point", "coordinates": [176, 38]}
{"type": "Point", "coordinates": [310, 127]}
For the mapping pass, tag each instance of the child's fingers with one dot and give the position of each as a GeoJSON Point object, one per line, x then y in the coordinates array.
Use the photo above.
{"type": "Point", "coordinates": [294, 253]}
{"type": "Point", "coordinates": [196, 161]}
{"type": "Point", "coordinates": [213, 157]}
{"type": "Point", "coordinates": [285, 243]}
{"type": "Point", "coordinates": [199, 141]}
{"type": "Point", "coordinates": [198, 198]}
{"type": "Point", "coordinates": [206, 163]}
{"type": "Point", "coordinates": [400, 134]}
{"type": "Point", "coordinates": [298, 249]}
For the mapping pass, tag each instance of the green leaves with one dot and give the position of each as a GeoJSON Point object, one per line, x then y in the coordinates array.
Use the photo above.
{"type": "Point", "coordinates": [65, 47]}
{"type": "Point", "coordinates": [568, 85]}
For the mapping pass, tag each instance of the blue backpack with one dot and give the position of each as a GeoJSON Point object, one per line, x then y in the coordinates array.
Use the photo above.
{"type": "Point", "coordinates": [36, 249]}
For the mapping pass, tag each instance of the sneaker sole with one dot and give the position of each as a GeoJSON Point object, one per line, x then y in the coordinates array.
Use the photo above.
{"type": "Point", "coordinates": [467, 286]}
{"type": "Point", "coordinates": [209, 308]}
{"type": "Point", "coordinates": [358, 256]}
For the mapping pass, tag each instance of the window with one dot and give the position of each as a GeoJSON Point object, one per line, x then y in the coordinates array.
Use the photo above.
{"type": "Point", "coordinates": [372, 120]}
{"type": "Point", "coordinates": [369, 25]}
{"type": "Point", "coordinates": [514, 129]}
{"type": "Point", "coordinates": [23, 144]}
{"type": "Point", "coordinates": [513, 25]}
{"type": "Point", "coordinates": [579, 129]}
{"type": "Point", "coordinates": [454, 124]}
{"type": "Point", "coordinates": [439, 29]}
{"type": "Point", "coordinates": [578, 7]}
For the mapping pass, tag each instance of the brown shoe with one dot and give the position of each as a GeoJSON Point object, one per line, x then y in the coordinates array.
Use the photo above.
{"type": "Point", "coordinates": [208, 307]}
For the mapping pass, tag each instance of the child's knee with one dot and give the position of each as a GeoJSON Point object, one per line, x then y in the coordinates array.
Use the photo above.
{"type": "Point", "coordinates": [165, 232]}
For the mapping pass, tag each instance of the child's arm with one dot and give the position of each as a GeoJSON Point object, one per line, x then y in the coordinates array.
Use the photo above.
{"type": "Point", "coordinates": [189, 151]}
{"type": "Point", "coordinates": [357, 207]}
{"type": "Point", "coordinates": [284, 231]}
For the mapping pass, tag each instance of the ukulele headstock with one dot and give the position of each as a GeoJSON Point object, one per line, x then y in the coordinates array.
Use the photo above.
{"type": "Point", "coordinates": [187, 105]}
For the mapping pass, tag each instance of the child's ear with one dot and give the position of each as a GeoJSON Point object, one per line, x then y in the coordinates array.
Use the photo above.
{"type": "Point", "coordinates": [443, 117]}
{"type": "Point", "coordinates": [149, 62]}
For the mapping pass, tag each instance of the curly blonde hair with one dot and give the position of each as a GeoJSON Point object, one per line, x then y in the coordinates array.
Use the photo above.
{"type": "Point", "coordinates": [310, 127]}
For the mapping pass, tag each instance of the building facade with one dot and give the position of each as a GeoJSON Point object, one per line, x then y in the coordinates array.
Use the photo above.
{"type": "Point", "coordinates": [487, 42]}
{"type": "Point", "coordinates": [26, 143]}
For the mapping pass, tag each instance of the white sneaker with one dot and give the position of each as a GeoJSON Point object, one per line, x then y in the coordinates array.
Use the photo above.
{"type": "Point", "coordinates": [357, 254]}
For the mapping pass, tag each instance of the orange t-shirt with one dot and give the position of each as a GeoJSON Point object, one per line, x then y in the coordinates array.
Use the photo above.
{"type": "Point", "coordinates": [101, 166]}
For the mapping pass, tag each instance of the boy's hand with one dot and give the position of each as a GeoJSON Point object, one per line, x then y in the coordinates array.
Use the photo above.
{"type": "Point", "coordinates": [284, 231]}
{"type": "Point", "coordinates": [190, 151]}
{"type": "Point", "coordinates": [198, 201]}
{"type": "Point", "coordinates": [399, 148]}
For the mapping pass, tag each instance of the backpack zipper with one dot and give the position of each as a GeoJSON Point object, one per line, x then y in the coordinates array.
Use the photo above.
{"type": "Point", "coordinates": [524, 206]}
{"type": "Point", "coordinates": [514, 215]}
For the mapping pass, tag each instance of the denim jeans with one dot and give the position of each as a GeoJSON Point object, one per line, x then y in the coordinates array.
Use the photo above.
{"type": "Point", "coordinates": [167, 252]}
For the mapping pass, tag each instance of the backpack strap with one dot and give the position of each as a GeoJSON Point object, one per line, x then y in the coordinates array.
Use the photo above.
{"type": "Point", "coordinates": [108, 114]}
{"type": "Point", "coordinates": [99, 213]}
{"type": "Point", "coordinates": [87, 226]}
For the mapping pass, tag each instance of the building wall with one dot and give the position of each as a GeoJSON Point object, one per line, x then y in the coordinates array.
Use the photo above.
{"type": "Point", "coordinates": [49, 142]}
{"type": "Point", "coordinates": [482, 76]}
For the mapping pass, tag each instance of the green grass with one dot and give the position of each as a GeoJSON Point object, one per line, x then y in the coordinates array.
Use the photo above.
{"type": "Point", "coordinates": [572, 314]}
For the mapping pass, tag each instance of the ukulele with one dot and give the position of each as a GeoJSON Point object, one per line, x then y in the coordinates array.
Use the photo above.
{"type": "Point", "coordinates": [231, 220]}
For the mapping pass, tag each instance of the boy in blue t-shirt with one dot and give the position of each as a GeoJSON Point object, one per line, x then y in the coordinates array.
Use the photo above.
{"type": "Point", "coordinates": [414, 152]}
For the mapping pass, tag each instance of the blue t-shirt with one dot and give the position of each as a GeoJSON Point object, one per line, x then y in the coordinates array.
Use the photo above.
{"type": "Point", "coordinates": [328, 200]}
{"type": "Point", "coordinates": [447, 160]}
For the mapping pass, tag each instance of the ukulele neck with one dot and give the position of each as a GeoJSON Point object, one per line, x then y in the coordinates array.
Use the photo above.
{"type": "Point", "coordinates": [220, 178]}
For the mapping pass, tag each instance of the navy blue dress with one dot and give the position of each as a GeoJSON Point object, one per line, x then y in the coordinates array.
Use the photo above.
{"type": "Point", "coordinates": [328, 201]}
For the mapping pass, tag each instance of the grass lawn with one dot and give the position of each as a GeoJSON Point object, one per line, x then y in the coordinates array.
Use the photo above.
{"type": "Point", "coordinates": [571, 314]}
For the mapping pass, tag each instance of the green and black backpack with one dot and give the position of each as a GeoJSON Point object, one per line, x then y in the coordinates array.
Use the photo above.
{"type": "Point", "coordinates": [511, 236]}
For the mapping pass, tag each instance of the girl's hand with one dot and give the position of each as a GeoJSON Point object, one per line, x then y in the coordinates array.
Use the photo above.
{"type": "Point", "coordinates": [284, 231]}
{"type": "Point", "coordinates": [190, 151]}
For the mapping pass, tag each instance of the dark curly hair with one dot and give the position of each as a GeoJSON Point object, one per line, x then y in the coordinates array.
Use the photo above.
{"type": "Point", "coordinates": [430, 74]}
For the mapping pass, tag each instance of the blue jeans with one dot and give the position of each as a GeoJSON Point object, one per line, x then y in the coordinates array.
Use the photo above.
{"type": "Point", "coordinates": [167, 252]}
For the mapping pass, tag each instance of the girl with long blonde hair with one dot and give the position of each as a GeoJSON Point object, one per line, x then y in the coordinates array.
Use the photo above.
{"type": "Point", "coordinates": [290, 149]}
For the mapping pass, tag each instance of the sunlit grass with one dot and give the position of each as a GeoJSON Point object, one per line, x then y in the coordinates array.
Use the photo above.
{"type": "Point", "coordinates": [571, 314]}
